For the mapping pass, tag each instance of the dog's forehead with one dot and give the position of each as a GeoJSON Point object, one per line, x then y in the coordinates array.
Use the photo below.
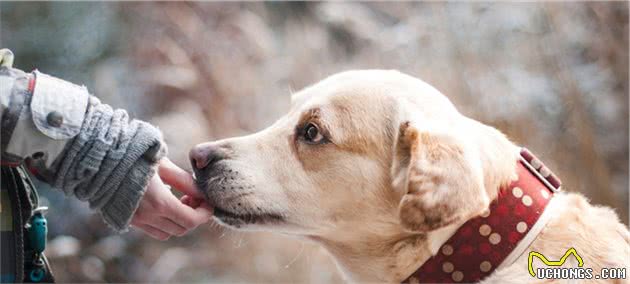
{"type": "Point", "coordinates": [371, 85]}
{"type": "Point", "coordinates": [347, 89]}
{"type": "Point", "coordinates": [356, 102]}
{"type": "Point", "coordinates": [347, 107]}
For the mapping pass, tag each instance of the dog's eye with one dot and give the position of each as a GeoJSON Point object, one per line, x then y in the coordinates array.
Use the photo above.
{"type": "Point", "coordinates": [312, 134]}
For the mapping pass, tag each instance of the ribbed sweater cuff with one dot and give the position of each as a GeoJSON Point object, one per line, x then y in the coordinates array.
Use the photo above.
{"type": "Point", "coordinates": [119, 210]}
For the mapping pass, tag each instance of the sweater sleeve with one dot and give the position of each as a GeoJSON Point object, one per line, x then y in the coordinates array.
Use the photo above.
{"type": "Point", "coordinates": [72, 141]}
{"type": "Point", "coordinates": [109, 163]}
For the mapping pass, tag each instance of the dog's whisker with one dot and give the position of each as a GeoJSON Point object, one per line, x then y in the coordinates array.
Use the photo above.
{"type": "Point", "coordinates": [239, 243]}
{"type": "Point", "coordinates": [244, 242]}
{"type": "Point", "coordinates": [286, 266]}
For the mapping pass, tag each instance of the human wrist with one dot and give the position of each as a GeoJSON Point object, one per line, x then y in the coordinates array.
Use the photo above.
{"type": "Point", "coordinates": [118, 210]}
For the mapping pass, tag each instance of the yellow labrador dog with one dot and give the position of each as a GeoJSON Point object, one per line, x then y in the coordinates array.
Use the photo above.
{"type": "Point", "coordinates": [382, 170]}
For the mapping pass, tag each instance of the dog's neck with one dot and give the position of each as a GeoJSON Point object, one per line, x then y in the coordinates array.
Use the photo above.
{"type": "Point", "coordinates": [369, 255]}
{"type": "Point", "coordinates": [384, 258]}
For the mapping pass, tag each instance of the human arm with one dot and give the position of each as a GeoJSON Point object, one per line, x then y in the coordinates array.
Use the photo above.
{"type": "Point", "coordinates": [89, 150]}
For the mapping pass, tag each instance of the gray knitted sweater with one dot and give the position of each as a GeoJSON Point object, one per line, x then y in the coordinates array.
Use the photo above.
{"type": "Point", "coordinates": [76, 143]}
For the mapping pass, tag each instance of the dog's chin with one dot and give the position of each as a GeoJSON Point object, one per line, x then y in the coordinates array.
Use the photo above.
{"type": "Point", "coordinates": [245, 219]}
{"type": "Point", "coordinates": [242, 220]}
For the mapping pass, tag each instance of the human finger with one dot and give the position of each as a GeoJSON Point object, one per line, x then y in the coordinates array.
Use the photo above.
{"type": "Point", "coordinates": [191, 201]}
{"type": "Point", "coordinates": [178, 178]}
{"type": "Point", "coordinates": [153, 232]}
{"type": "Point", "coordinates": [168, 226]}
{"type": "Point", "coordinates": [188, 217]}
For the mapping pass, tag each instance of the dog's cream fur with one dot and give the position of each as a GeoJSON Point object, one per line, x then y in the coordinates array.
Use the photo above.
{"type": "Point", "coordinates": [401, 171]}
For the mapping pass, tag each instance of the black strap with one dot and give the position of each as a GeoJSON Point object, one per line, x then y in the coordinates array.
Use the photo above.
{"type": "Point", "coordinates": [24, 200]}
{"type": "Point", "coordinates": [11, 183]}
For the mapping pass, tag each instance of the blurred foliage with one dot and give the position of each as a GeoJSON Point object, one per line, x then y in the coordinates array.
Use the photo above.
{"type": "Point", "coordinates": [553, 76]}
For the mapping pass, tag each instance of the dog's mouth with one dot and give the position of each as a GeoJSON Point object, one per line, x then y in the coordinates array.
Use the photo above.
{"type": "Point", "coordinates": [207, 182]}
{"type": "Point", "coordinates": [240, 219]}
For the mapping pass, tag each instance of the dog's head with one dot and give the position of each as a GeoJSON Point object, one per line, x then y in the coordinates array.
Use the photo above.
{"type": "Point", "coordinates": [359, 151]}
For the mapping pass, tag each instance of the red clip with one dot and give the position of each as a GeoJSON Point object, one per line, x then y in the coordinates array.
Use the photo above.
{"type": "Point", "coordinates": [31, 83]}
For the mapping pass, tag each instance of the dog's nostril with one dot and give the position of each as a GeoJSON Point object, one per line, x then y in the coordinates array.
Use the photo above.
{"type": "Point", "coordinates": [199, 157]}
{"type": "Point", "coordinates": [204, 155]}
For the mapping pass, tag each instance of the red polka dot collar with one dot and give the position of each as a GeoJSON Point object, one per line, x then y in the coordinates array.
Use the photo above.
{"type": "Point", "coordinates": [499, 235]}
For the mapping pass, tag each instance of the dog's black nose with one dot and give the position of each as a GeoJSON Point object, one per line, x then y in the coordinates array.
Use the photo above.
{"type": "Point", "coordinates": [204, 155]}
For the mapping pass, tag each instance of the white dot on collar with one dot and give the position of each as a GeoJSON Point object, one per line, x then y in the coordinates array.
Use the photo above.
{"type": "Point", "coordinates": [457, 276]}
{"type": "Point", "coordinates": [517, 192]}
{"type": "Point", "coordinates": [448, 267]}
{"type": "Point", "coordinates": [485, 230]}
{"type": "Point", "coordinates": [447, 250]}
{"type": "Point", "coordinates": [485, 266]}
{"type": "Point", "coordinates": [494, 238]}
{"type": "Point", "coordinates": [544, 193]}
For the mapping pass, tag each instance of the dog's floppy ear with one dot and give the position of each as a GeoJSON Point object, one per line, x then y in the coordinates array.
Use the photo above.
{"type": "Point", "coordinates": [440, 176]}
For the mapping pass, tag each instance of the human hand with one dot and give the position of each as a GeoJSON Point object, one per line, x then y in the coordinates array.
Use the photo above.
{"type": "Point", "coordinates": [160, 214]}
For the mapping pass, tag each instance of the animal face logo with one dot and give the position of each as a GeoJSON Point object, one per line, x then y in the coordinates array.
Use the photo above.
{"type": "Point", "coordinates": [547, 262]}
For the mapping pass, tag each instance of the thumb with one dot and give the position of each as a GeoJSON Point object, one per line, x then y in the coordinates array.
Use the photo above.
{"type": "Point", "coordinates": [178, 178]}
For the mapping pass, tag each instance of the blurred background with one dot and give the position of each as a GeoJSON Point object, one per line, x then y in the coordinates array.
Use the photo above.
{"type": "Point", "coordinates": [553, 76]}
